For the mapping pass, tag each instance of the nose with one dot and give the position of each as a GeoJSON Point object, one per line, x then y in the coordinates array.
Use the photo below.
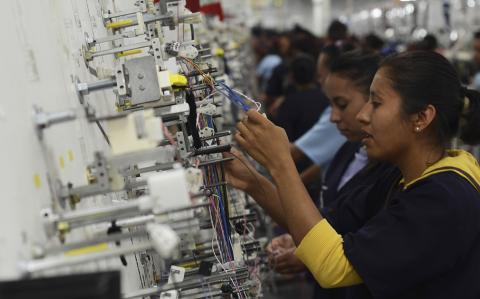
{"type": "Point", "coordinates": [364, 115]}
{"type": "Point", "coordinates": [335, 115]}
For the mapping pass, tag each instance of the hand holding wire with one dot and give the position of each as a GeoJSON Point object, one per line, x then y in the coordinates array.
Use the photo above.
{"type": "Point", "coordinates": [265, 142]}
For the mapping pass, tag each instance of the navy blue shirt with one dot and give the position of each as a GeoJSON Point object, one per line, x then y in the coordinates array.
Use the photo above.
{"type": "Point", "coordinates": [349, 208]}
{"type": "Point", "coordinates": [300, 111]}
{"type": "Point", "coordinates": [424, 244]}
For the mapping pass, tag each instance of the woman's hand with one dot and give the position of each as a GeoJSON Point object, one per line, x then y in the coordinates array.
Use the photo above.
{"type": "Point", "coordinates": [284, 241]}
{"type": "Point", "coordinates": [285, 262]}
{"type": "Point", "coordinates": [240, 173]}
{"type": "Point", "coordinates": [281, 255]}
{"type": "Point", "coordinates": [265, 142]}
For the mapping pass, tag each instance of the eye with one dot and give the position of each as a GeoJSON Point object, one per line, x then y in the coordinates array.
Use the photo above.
{"type": "Point", "coordinates": [342, 105]}
{"type": "Point", "coordinates": [375, 104]}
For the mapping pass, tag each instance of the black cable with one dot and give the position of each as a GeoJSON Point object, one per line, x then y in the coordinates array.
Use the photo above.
{"type": "Point", "coordinates": [192, 31]}
{"type": "Point", "coordinates": [103, 132]}
{"type": "Point", "coordinates": [192, 120]}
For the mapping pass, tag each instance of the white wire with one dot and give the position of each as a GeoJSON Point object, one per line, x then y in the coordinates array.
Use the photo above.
{"type": "Point", "coordinates": [205, 99]}
{"type": "Point", "coordinates": [214, 237]}
{"type": "Point", "coordinates": [235, 283]}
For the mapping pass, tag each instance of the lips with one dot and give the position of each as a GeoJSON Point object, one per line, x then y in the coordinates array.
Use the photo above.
{"type": "Point", "coordinates": [366, 136]}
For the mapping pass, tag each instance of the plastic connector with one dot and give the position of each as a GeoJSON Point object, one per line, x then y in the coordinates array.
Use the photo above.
{"type": "Point", "coordinates": [172, 294]}
{"type": "Point", "coordinates": [164, 239]}
{"type": "Point", "coordinates": [177, 274]}
{"type": "Point", "coordinates": [209, 109]}
{"type": "Point", "coordinates": [206, 132]}
{"type": "Point", "coordinates": [169, 190]}
{"type": "Point", "coordinates": [178, 80]}
{"type": "Point", "coordinates": [194, 179]}
{"type": "Point", "coordinates": [188, 51]}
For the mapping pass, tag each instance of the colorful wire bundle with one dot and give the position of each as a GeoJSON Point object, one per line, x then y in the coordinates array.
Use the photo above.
{"type": "Point", "coordinates": [233, 95]}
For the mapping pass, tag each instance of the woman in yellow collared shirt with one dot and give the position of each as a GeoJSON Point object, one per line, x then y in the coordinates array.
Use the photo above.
{"type": "Point", "coordinates": [426, 242]}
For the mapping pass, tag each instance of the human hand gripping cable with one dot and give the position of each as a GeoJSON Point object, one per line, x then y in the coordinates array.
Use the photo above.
{"type": "Point", "coordinates": [240, 173]}
{"type": "Point", "coordinates": [265, 142]}
{"type": "Point", "coordinates": [281, 255]}
{"type": "Point", "coordinates": [269, 145]}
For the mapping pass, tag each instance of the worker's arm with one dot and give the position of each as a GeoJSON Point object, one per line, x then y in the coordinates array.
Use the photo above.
{"type": "Point", "coordinates": [321, 250]}
{"type": "Point", "coordinates": [311, 174]}
{"type": "Point", "coordinates": [297, 154]}
{"type": "Point", "coordinates": [243, 176]}
{"type": "Point", "coordinates": [268, 144]}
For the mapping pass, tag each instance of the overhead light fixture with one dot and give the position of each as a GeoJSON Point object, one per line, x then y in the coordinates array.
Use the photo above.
{"type": "Point", "coordinates": [376, 13]}
{"type": "Point", "coordinates": [409, 8]}
{"type": "Point", "coordinates": [364, 14]}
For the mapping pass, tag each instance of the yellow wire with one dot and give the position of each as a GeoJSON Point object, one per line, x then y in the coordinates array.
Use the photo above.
{"type": "Point", "coordinates": [206, 78]}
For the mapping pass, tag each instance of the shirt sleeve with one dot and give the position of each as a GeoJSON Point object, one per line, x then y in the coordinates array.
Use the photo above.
{"type": "Point", "coordinates": [321, 250]}
{"type": "Point", "coordinates": [416, 239]}
{"type": "Point", "coordinates": [322, 141]}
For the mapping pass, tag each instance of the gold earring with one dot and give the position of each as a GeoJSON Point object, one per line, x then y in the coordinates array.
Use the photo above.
{"type": "Point", "coordinates": [417, 129]}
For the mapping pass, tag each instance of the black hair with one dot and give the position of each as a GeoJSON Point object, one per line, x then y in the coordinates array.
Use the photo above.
{"type": "Point", "coordinates": [302, 69]}
{"type": "Point", "coordinates": [337, 31]}
{"type": "Point", "coordinates": [331, 53]}
{"type": "Point", "coordinates": [304, 41]}
{"type": "Point", "coordinates": [423, 78]}
{"type": "Point", "coordinates": [373, 42]}
{"type": "Point", "coordinates": [476, 35]}
{"type": "Point", "coordinates": [358, 66]}
{"type": "Point", "coordinates": [256, 31]}
{"type": "Point", "coordinates": [429, 43]}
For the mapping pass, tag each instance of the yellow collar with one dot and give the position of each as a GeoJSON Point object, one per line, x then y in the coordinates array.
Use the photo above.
{"type": "Point", "coordinates": [458, 161]}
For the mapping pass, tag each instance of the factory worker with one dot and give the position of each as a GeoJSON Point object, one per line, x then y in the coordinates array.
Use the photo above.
{"type": "Point", "coordinates": [351, 176]}
{"type": "Point", "coordinates": [425, 242]}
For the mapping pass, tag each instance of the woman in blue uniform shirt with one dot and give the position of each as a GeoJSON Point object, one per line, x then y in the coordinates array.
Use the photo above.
{"type": "Point", "coordinates": [351, 177]}
{"type": "Point", "coordinates": [425, 243]}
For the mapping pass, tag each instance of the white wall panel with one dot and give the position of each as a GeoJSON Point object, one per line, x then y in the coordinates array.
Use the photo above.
{"type": "Point", "coordinates": [40, 56]}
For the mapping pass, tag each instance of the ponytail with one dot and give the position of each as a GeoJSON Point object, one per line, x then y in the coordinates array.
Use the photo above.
{"type": "Point", "coordinates": [470, 117]}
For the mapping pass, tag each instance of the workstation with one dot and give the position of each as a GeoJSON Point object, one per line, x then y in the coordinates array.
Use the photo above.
{"type": "Point", "coordinates": [240, 149]}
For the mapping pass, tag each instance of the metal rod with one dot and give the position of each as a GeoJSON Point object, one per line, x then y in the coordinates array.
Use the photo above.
{"type": "Point", "coordinates": [157, 167]}
{"type": "Point", "coordinates": [218, 135]}
{"type": "Point", "coordinates": [121, 49]}
{"type": "Point", "coordinates": [101, 84]}
{"type": "Point", "coordinates": [213, 150]}
{"type": "Point", "coordinates": [120, 14]}
{"type": "Point", "coordinates": [64, 261]}
{"type": "Point", "coordinates": [103, 239]}
{"type": "Point", "coordinates": [98, 215]}
{"type": "Point", "coordinates": [107, 214]}
{"type": "Point", "coordinates": [188, 284]}
{"type": "Point", "coordinates": [111, 38]}
{"type": "Point", "coordinates": [109, 117]}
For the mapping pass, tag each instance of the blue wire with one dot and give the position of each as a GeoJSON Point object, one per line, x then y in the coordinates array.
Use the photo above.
{"type": "Point", "coordinates": [222, 214]}
{"type": "Point", "coordinates": [234, 96]}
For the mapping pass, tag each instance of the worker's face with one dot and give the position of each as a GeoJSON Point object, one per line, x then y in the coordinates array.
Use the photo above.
{"type": "Point", "coordinates": [476, 50]}
{"type": "Point", "coordinates": [387, 132]}
{"type": "Point", "coordinates": [346, 100]}
{"type": "Point", "coordinates": [284, 46]}
{"type": "Point", "coordinates": [322, 69]}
